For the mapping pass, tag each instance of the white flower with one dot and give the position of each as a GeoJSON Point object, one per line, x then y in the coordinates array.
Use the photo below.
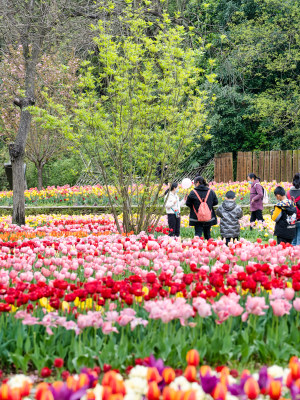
{"type": "Point", "coordinates": [180, 383]}
{"type": "Point", "coordinates": [17, 381]}
{"type": "Point", "coordinates": [231, 380]}
{"type": "Point", "coordinates": [98, 390]}
{"type": "Point", "coordinates": [275, 371]}
{"type": "Point", "coordinates": [230, 397]}
{"type": "Point", "coordinates": [139, 371]}
{"type": "Point", "coordinates": [136, 386]}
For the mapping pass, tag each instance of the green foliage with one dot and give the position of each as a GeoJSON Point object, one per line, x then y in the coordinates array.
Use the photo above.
{"type": "Point", "coordinates": [141, 105]}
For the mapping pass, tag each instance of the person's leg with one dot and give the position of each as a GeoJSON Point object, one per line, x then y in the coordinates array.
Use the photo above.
{"type": "Point", "coordinates": [198, 230]}
{"type": "Point", "coordinates": [172, 224]}
{"type": "Point", "coordinates": [296, 240]}
{"type": "Point", "coordinates": [252, 218]}
{"type": "Point", "coordinates": [281, 240]}
{"type": "Point", "coordinates": [259, 215]}
{"type": "Point", "coordinates": [227, 241]}
{"type": "Point", "coordinates": [177, 227]}
{"type": "Point", "coordinates": [206, 232]}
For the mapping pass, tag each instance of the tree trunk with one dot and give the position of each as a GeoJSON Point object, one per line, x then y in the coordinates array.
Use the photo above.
{"type": "Point", "coordinates": [16, 152]}
{"type": "Point", "coordinates": [40, 176]}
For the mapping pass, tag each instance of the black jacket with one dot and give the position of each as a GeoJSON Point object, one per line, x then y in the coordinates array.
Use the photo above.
{"type": "Point", "coordinates": [192, 200]}
{"type": "Point", "coordinates": [230, 213]}
{"type": "Point", "coordinates": [282, 228]}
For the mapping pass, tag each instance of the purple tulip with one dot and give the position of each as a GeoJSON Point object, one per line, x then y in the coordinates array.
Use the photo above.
{"type": "Point", "coordinates": [208, 383]}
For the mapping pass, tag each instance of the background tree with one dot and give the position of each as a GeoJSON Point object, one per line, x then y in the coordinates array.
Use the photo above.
{"type": "Point", "coordinates": [141, 106]}
{"type": "Point", "coordinates": [37, 26]}
{"type": "Point", "coordinates": [42, 145]}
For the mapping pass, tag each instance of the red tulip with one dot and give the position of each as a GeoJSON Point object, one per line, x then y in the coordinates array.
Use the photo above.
{"type": "Point", "coordinates": [275, 389]}
{"type": "Point", "coordinates": [41, 387]}
{"type": "Point", "coordinates": [45, 372]}
{"type": "Point", "coordinates": [153, 375]}
{"type": "Point", "coordinates": [169, 393]}
{"type": "Point", "coordinates": [4, 391]}
{"type": "Point", "coordinates": [153, 392]}
{"type": "Point", "coordinates": [169, 375]}
{"type": "Point", "coordinates": [192, 357]}
{"type": "Point", "coordinates": [251, 388]}
{"type": "Point", "coordinates": [58, 363]}
{"type": "Point", "coordinates": [190, 373]}
{"type": "Point", "coordinates": [219, 392]}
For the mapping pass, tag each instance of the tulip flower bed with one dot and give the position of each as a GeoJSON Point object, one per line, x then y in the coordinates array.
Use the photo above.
{"type": "Point", "coordinates": [151, 379]}
{"type": "Point", "coordinates": [97, 196]}
{"type": "Point", "coordinates": [70, 287]}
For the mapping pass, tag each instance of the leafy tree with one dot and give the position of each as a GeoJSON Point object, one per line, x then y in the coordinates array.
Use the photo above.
{"type": "Point", "coordinates": [42, 144]}
{"type": "Point", "coordinates": [141, 106]}
{"type": "Point", "coordinates": [36, 25]}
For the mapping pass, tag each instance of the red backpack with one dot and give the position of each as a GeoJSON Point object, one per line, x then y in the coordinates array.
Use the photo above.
{"type": "Point", "coordinates": [204, 213]}
{"type": "Point", "coordinates": [297, 202]}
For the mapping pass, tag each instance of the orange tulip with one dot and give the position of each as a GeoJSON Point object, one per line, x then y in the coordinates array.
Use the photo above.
{"type": "Point", "coordinates": [41, 387]}
{"type": "Point", "coordinates": [293, 360]}
{"type": "Point", "coordinates": [190, 373]}
{"type": "Point", "coordinates": [4, 391]}
{"type": "Point", "coordinates": [90, 395]}
{"type": "Point", "coordinates": [245, 373]}
{"type": "Point", "coordinates": [205, 369]}
{"type": "Point", "coordinates": [15, 394]}
{"type": "Point", "coordinates": [289, 380]}
{"type": "Point", "coordinates": [251, 388]}
{"type": "Point", "coordinates": [25, 389]}
{"type": "Point", "coordinates": [192, 357]}
{"type": "Point", "coordinates": [83, 380]}
{"type": "Point", "coordinates": [179, 395]}
{"type": "Point", "coordinates": [189, 395]}
{"type": "Point", "coordinates": [169, 375]}
{"type": "Point", "coordinates": [107, 378]}
{"type": "Point", "coordinates": [106, 392]}
{"type": "Point", "coordinates": [169, 393]}
{"type": "Point", "coordinates": [275, 389]}
{"type": "Point", "coordinates": [46, 395]}
{"type": "Point", "coordinates": [219, 391]}
{"type": "Point", "coordinates": [117, 387]}
{"type": "Point", "coordinates": [116, 396]}
{"type": "Point", "coordinates": [295, 370]}
{"type": "Point", "coordinates": [153, 392]}
{"type": "Point", "coordinates": [153, 375]}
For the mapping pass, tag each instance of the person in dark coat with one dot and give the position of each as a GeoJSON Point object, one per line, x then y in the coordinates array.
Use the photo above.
{"type": "Point", "coordinates": [294, 194]}
{"type": "Point", "coordinates": [284, 214]}
{"type": "Point", "coordinates": [192, 202]}
{"type": "Point", "coordinates": [230, 213]}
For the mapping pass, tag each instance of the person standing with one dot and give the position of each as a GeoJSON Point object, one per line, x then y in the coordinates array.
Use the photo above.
{"type": "Point", "coordinates": [284, 214]}
{"type": "Point", "coordinates": [256, 198]}
{"type": "Point", "coordinates": [202, 194]}
{"type": "Point", "coordinates": [230, 214]}
{"type": "Point", "coordinates": [294, 195]}
{"type": "Point", "coordinates": [173, 204]}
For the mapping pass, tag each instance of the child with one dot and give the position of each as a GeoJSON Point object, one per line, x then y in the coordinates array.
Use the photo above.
{"type": "Point", "coordinates": [230, 213]}
{"type": "Point", "coordinates": [173, 209]}
{"type": "Point", "coordinates": [284, 214]}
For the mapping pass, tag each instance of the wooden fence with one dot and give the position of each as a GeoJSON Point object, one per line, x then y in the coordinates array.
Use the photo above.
{"type": "Point", "coordinates": [223, 167]}
{"type": "Point", "coordinates": [279, 165]}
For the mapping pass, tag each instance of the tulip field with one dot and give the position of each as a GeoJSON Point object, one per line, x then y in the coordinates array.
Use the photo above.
{"type": "Point", "coordinates": [96, 195]}
{"type": "Point", "coordinates": [101, 315]}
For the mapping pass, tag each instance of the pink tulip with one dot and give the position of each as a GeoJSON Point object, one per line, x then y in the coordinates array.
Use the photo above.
{"type": "Point", "coordinates": [296, 304]}
{"type": "Point", "coordinates": [280, 307]}
{"type": "Point", "coordinates": [289, 294]}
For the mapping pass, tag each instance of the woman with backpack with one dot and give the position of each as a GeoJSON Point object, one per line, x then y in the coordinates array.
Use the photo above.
{"type": "Point", "coordinates": [201, 201]}
{"type": "Point", "coordinates": [294, 195]}
{"type": "Point", "coordinates": [256, 198]}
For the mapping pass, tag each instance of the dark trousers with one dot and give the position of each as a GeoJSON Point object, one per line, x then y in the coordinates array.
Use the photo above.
{"type": "Point", "coordinates": [256, 216]}
{"type": "Point", "coordinates": [202, 230]}
{"type": "Point", "coordinates": [174, 225]}
{"type": "Point", "coordinates": [283, 240]}
{"type": "Point", "coordinates": [229, 239]}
